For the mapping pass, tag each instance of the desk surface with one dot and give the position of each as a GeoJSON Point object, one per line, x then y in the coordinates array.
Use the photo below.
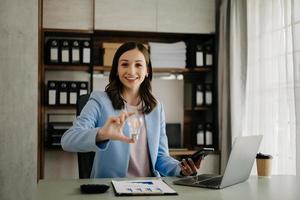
{"type": "Point", "coordinates": [276, 187]}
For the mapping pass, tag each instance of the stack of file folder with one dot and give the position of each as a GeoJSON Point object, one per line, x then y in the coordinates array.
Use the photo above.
{"type": "Point", "coordinates": [57, 124]}
{"type": "Point", "coordinates": [168, 55]}
{"type": "Point", "coordinates": [65, 92]}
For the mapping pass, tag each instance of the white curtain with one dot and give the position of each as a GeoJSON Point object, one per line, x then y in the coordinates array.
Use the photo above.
{"type": "Point", "coordinates": [232, 73]}
{"type": "Point", "coordinates": [224, 85]}
{"type": "Point", "coordinates": [271, 86]}
{"type": "Point", "coordinates": [296, 53]}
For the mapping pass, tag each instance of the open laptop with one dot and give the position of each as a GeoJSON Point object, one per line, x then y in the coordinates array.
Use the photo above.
{"type": "Point", "coordinates": [238, 168]}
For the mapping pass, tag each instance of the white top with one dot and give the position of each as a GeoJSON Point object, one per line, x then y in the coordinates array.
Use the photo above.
{"type": "Point", "coordinates": [139, 159]}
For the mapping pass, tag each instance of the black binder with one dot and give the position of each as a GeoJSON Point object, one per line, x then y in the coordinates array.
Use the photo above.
{"type": "Point", "coordinates": [208, 95]}
{"type": "Point", "coordinates": [52, 88]}
{"type": "Point", "coordinates": [75, 52]}
{"type": "Point", "coordinates": [63, 93]}
{"type": "Point", "coordinates": [73, 92]}
{"type": "Point", "coordinates": [83, 88]}
{"type": "Point", "coordinates": [199, 51]}
{"type": "Point", "coordinates": [65, 52]}
{"type": "Point", "coordinates": [209, 55]}
{"type": "Point", "coordinates": [86, 52]}
{"type": "Point", "coordinates": [191, 53]}
{"type": "Point", "coordinates": [52, 54]}
{"type": "Point", "coordinates": [209, 139]}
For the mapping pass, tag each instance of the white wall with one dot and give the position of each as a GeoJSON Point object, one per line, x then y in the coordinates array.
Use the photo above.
{"type": "Point", "coordinates": [170, 94]}
{"type": "Point", "coordinates": [18, 98]}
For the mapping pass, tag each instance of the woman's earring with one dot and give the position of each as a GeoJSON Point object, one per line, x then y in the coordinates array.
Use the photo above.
{"type": "Point", "coordinates": [146, 75]}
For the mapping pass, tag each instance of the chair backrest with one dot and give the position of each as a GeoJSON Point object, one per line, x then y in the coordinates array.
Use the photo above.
{"type": "Point", "coordinates": [85, 160]}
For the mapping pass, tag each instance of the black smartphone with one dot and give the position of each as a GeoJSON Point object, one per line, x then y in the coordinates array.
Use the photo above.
{"type": "Point", "coordinates": [201, 153]}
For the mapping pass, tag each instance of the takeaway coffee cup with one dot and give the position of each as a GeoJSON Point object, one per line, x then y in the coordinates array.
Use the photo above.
{"type": "Point", "coordinates": [264, 165]}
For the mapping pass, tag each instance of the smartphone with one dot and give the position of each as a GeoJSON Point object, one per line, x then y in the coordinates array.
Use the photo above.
{"type": "Point", "coordinates": [201, 153]}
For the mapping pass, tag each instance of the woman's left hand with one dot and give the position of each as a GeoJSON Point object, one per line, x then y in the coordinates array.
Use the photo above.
{"type": "Point", "coordinates": [188, 167]}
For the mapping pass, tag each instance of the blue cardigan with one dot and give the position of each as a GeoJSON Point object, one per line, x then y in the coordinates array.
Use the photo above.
{"type": "Point", "coordinates": [112, 157]}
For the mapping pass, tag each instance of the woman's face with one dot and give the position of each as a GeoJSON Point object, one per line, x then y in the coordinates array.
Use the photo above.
{"type": "Point", "coordinates": [132, 69]}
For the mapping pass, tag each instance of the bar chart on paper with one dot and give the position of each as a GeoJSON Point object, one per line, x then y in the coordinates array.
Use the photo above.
{"type": "Point", "coordinates": [142, 187]}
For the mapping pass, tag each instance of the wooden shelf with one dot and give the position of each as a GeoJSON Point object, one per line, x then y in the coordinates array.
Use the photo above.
{"type": "Point", "coordinates": [75, 31]}
{"type": "Point", "coordinates": [160, 69]}
{"type": "Point", "coordinates": [202, 108]}
{"type": "Point", "coordinates": [66, 107]}
{"type": "Point", "coordinates": [84, 68]}
{"type": "Point", "coordinates": [155, 70]}
{"type": "Point", "coordinates": [179, 152]}
{"type": "Point", "coordinates": [170, 70]}
{"type": "Point", "coordinates": [197, 108]}
{"type": "Point", "coordinates": [200, 69]}
{"type": "Point", "coordinates": [102, 68]}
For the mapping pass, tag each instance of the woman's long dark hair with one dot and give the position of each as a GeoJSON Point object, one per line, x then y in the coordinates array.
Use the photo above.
{"type": "Point", "coordinates": [115, 87]}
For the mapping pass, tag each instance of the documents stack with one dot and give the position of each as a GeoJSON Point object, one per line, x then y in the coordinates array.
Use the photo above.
{"type": "Point", "coordinates": [168, 55]}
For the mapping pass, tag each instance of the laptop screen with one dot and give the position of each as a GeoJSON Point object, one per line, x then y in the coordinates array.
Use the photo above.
{"type": "Point", "coordinates": [241, 159]}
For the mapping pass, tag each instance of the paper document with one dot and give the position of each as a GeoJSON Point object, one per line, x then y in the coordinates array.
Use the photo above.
{"type": "Point", "coordinates": [142, 187]}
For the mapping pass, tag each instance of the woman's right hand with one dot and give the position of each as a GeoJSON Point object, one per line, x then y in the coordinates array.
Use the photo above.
{"type": "Point", "coordinates": [113, 129]}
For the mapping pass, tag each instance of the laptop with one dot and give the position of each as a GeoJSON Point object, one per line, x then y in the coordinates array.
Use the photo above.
{"type": "Point", "coordinates": [238, 167]}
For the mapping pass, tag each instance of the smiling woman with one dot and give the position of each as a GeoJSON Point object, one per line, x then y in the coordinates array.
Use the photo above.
{"type": "Point", "coordinates": [105, 123]}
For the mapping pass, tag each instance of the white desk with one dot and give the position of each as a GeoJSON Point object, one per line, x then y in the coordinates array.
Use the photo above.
{"type": "Point", "coordinates": [274, 188]}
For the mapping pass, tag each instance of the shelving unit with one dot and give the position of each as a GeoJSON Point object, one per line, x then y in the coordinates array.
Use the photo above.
{"type": "Point", "coordinates": [67, 68]}
{"type": "Point", "coordinates": [64, 69]}
{"type": "Point", "coordinates": [155, 70]}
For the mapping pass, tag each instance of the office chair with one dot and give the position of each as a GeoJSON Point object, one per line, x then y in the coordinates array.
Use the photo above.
{"type": "Point", "coordinates": [85, 160]}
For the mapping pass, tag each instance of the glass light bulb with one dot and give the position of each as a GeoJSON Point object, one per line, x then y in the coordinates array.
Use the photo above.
{"type": "Point", "coordinates": [135, 123]}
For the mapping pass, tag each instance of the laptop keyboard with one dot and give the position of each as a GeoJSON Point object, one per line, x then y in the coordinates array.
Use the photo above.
{"type": "Point", "coordinates": [203, 177]}
{"type": "Point", "coordinates": [206, 180]}
{"type": "Point", "coordinates": [210, 181]}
